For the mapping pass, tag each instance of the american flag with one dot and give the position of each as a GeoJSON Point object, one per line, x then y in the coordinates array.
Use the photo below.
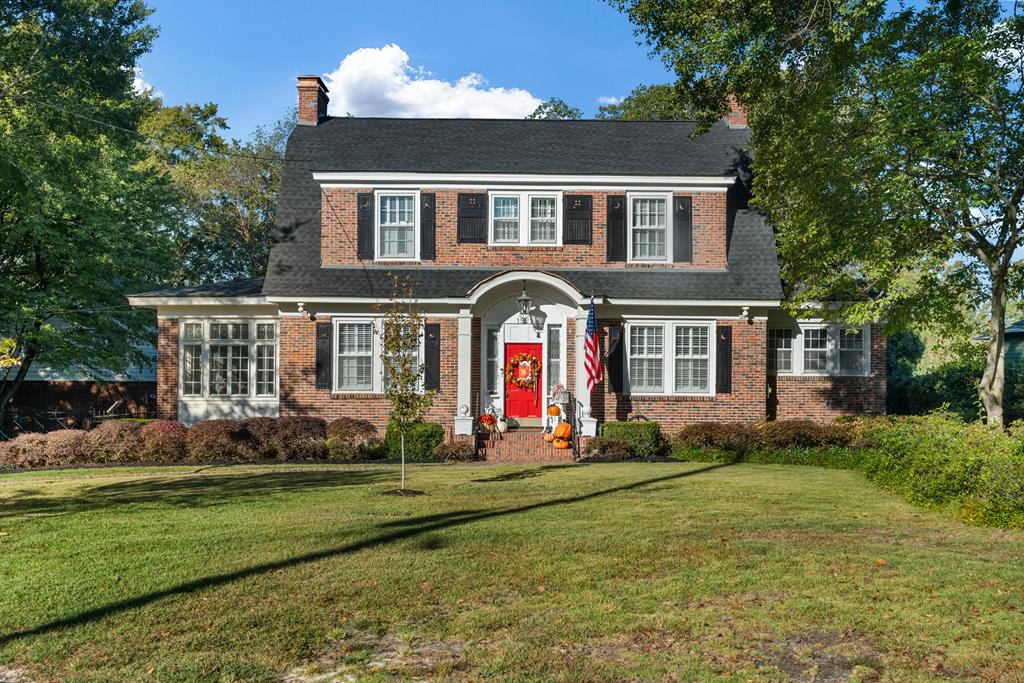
{"type": "Point", "coordinates": [592, 362]}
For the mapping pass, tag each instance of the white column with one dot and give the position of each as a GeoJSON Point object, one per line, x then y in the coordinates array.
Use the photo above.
{"type": "Point", "coordinates": [588, 423]}
{"type": "Point", "coordinates": [464, 404]}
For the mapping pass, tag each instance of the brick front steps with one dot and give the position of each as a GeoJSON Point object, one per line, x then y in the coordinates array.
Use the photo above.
{"type": "Point", "coordinates": [520, 445]}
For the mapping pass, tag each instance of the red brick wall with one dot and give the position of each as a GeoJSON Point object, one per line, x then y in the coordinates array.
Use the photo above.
{"type": "Point", "coordinates": [299, 395]}
{"type": "Point", "coordinates": [826, 398]}
{"type": "Point", "coordinates": [746, 402]}
{"type": "Point", "coordinates": [167, 369]}
{"type": "Point", "coordinates": [338, 241]}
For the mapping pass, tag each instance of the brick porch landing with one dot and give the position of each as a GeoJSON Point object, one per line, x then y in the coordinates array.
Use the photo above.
{"type": "Point", "coordinates": [520, 445]}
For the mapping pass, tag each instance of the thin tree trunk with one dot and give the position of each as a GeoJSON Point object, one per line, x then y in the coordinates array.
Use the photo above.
{"type": "Point", "coordinates": [993, 380]}
{"type": "Point", "coordinates": [403, 459]}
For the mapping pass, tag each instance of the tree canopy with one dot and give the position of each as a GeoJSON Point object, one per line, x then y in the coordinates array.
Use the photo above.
{"type": "Point", "coordinates": [555, 108]}
{"type": "Point", "coordinates": [648, 103]}
{"type": "Point", "coordinates": [887, 145]}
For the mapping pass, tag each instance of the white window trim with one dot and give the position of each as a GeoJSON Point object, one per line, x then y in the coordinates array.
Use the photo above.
{"type": "Point", "coordinates": [376, 351]}
{"type": "Point", "coordinates": [415, 194]}
{"type": "Point", "coordinates": [832, 350]}
{"type": "Point", "coordinates": [668, 362]}
{"type": "Point", "coordinates": [524, 198]}
{"type": "Point", "coordinates": [204, 356]}
{"type": "Point", "coordinates": [669, 210]}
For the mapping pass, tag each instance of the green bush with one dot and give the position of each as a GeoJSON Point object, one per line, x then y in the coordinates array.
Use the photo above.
{"type": "Point", "coordinates": [786, 434]}
{"type": "Point", "coordinates": [421, 440]}
{"type": "Point", "coordinates": [832, 457]}
{"type": "Point", "coordinates": [644, 438]}
{"type": "Point", "coordinates": [725, 441]}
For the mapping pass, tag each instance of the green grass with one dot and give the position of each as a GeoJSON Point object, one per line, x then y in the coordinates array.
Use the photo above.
{"type": "Point", "coordinates": [638, 571]}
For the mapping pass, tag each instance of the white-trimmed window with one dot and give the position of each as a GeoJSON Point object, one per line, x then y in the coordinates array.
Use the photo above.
{"type": "Point", "coordinates": [671, 357]}
{"type": "Point", "coordinates": [216, 358]}
{"type": "Point", "coordinates": [693, 359]}
{"type": "Point", "coordinates": [815, 348]}
{"type": "Point", "coordinates": [524, 218]}
{"type": "Point", "coordinates": [397, 221]}
{"type": "Point", "coordinates": [650, 227]}
{"type": "Point", "coordinates": [354, 369]}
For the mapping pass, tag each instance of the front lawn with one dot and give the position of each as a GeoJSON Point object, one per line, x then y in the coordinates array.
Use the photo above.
{"type": "Point", "coordinates": [668, 571]}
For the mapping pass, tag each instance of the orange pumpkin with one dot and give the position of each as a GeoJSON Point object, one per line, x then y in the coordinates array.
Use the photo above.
{"type": "Point", "coordinates": [560, 443]}
{"type": "Point", "coordinates": [554, 411]}
{"type": "Point", "coordinates": [549, 436]}
{"type": "Point", "coordinates": [563, 430]}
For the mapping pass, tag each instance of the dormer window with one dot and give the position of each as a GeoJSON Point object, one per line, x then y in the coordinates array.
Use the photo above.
{"type": "Point", "coordinates": [524, 218]}
{"type": "Point", "coordinates": [396, 226]}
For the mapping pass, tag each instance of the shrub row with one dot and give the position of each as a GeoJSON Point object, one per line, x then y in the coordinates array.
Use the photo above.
{"type": "Point", "coordinates": [255, 439]}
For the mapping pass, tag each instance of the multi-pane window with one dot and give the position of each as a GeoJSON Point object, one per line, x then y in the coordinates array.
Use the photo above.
{"type": "Point", "coordinates": [506, 218]}
{"type": "Point", "coordinates": [649, 228]}
{"type": "Point", "coordinates": [355, 356]}
{"type": "Point", "coordinates": [397, 226]}
{"type": "Point", "coordinates": [646, 358]}
{"type": "Point", "coordinates": [542, 220]}
{"type": "Point", "coordinates": [780, 350]}
{"type": "Point", "coordinates": [554, 368]}
{"type": "Point", "coordinates": [491, 352]}
{"type": "Point", "coordinates": [851, 351]}
{"type": "Point", "coordinates": [815, 349]}
{"type": "Point", "coordinates": [692, 359]}
{"type": "Point", "coordinates": [217, 358]}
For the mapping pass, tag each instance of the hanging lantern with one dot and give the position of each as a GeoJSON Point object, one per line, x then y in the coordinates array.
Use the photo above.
{"type": "Point", "coordinates": [525, 304]}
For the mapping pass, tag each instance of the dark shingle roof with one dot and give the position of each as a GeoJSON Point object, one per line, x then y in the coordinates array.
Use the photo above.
{"type": "Point", "coordinates": [511, 146]}
{"type": "Point", "coordinates": [231, 288]}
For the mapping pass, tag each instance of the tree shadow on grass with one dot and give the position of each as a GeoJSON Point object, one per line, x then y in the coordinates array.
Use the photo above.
{"type": "Point", "coordinates": [391, 532]}
{"type": "Point", "coordinates": [188, 490]}
{"type": "Point", "coordinates": [528, 473]}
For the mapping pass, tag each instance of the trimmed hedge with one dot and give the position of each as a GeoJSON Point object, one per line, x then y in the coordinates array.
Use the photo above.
{"type": "Point", "coordinates": [349, 438]}
{"type": "Point", "coordinates": [602, 449]}
{"type": "Point", "coordinates": [116, 441]}
{"type": "Point", "coordinates": [643, 438]}
{"type": "Point", "coordinates": [421, 440]}
{"type": "Point", "coordinates": [163, 441]}
{"type": "Point", "coordinates": [456, 451]}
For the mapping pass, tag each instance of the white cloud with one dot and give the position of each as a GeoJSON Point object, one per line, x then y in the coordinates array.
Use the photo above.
{"type": "Point", "coordinates": [141, 86]}
{"type": "Point", "coordinates": [380, 82]}
{"type": "Point", "coordinates": [606, 99]}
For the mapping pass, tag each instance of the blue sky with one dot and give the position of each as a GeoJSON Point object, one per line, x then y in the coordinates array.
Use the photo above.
{"type": "Point", "coordinates": [409, 56]}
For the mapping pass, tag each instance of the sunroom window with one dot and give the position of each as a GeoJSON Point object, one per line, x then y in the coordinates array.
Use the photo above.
{"type": "Point", "coordinates": [397, 221]}
{"type": "Point", "coordinates": [217, 359]}
{"type": "Point", "coordinates": [780, 350]}
{"type": "Point", "coordinates": [819, 349]}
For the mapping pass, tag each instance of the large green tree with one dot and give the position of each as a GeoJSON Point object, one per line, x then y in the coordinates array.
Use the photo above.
{"type": "Point", "coordinates": [648, 103]}
{"type": "Point", "coordinates": [80, 215]}
{"type": "Point", "coordinates": [555, 108]}
{"type": "Point", "coordinates": [887, 145]}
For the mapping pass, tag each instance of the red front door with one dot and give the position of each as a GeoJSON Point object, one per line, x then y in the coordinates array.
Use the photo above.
{"type": "Point", "coordinates": [521, 402]}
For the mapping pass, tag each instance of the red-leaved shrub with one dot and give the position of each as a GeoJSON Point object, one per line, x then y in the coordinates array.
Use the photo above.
{"type": "Point", "coordinates": [213, 440]}
{"type": "Point", "coordinates": [349, 438]}
{"type": "Point", "coordinates": [301, 438]}
{"type": "Point", "coordinates": [456, 451]}
{"type": "Point", "coordinates": [67, 447]}
{"type": "Point", "coordinates": [23, 452]}
{"type": "Point", "coordinates": [163, 441]}
{"type": "Point", "coordinates": [115, 441]}
{"type": "Point", "coordinates": [262, 438]}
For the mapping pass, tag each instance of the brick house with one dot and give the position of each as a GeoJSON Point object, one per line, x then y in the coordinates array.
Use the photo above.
{"type": "Point", "coordinates": [481, 215]}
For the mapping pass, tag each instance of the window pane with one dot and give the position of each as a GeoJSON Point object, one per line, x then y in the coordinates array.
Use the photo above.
{"type": "Point", "coordinates": [492, 360]}
{"type": "Point", "coordinates": [692, 359]}
{"type": "Point", "coordinates": [355, 356]}
{"type": "Point", "coordinates": [397, 226]}
{"type": "Point", "coordinates": [229, 331]}
{"type": "Point", "coordinates": [554, 369]}
{"type": "Point", "coordinates": [780, 350]}
{"type": "Point", "coordinates": [219, 356]}
{"type": "Point", "coordinates": [265, 331]}
{"type": "Point", "coordinates": [265, 370]}
{"type": "Point", "coordinates": [816, 350]}
{"type": "Point", "coordinates": [506, 219]}
{"type": "Point", "coordinates": [851, 351]}
{"type": "Point", "coordinates": [192, 370]}
{"type": "Point", "coordinates": [542, 219]}
{"type": "Point", "coordinates": [646, 363]}
{"type": "Point", "coordinates": [229, 369]}
{"type": "Point", "coordinates": [194, 331]}
{"type": "Point", "coordinates": [649, 228]}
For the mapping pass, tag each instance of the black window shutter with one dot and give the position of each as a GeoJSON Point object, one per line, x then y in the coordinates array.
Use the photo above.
{"type": "Point", "coordinates": [577, 219]}
{"type": "Point", "coordinates": [616, 351]}
{"type": "Point", "coordinates": [472, 221]}
{"type": "Point", "coordinates": [324, 355]}
{"type": "Point", "coordinates": [432, 356]}
{"type": "Point", "coordinates": [364, 225]}
{"type": "Point", "coordinates": [723, 359]}
{"type": "Point", "coordinates": [682, 229]}
{"type": "Point", "coordinates": [428, 229]}
{"type": "Point", "coordinates": [616, 228]}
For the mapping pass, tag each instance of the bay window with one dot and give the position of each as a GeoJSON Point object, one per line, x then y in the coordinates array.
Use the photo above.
{"type": "Point", "coordinates": [216, 359]}
{"type": "Point", "coordinates": [524, 218]}
{"type": "Point", "coordinates": [396, 225]}
{"type": "Point", "coordinates": [648, 228]}
{"type": "Point", "coordinates": [812, 348]}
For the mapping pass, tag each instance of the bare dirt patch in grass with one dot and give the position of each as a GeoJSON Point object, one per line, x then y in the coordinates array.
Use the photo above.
{"type": "Point", "coordinates": [823, 657]}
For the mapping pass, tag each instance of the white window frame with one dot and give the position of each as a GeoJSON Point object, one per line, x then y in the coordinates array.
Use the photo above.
{"type": "Point", "coordinates": [794, 348]}
{"type": "Point", "coordinates": [668, 363]}
{"type": "Point", "coordinates": [831, 352]}
{"type": "Point", "coordinates": [377, 352]}
{"type": "Point", "coordinates": [205, 342]}
{"type": "Point", "coordinates": [667, 196]}
{"type": "Point", "coordinates": [525, 204]}
{"type": "Point", "coordinates": [377, 195]}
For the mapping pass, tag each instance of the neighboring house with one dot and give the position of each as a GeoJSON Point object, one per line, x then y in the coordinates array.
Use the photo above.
{"type": "Point", "coordinates": [650, 222]}
{"type": "Point", "coordinates": [1013, 342]}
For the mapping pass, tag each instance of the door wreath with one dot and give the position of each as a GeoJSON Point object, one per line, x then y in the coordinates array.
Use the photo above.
{"type": "Point", "coordinates": [522, 371]}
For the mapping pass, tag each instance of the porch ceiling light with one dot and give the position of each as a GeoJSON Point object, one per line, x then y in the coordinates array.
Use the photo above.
{"type": "Point", "coordinates": [525, 304]}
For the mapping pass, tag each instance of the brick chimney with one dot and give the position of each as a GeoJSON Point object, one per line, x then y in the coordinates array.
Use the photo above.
{"type": "Point", "coordinates": [312, 100]}
{"type": "Point", "coordinates": [737, 116]}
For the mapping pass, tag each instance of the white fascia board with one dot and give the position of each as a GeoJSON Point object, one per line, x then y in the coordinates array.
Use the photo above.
{"type": "Point", "coordinates": [584, 301]}
{"type": "Point", "coordinates": [154, 301]}
{"type": "Point", "coordinates": [694, 302]}
{"type": "Point", "coordinates": [515, 180]}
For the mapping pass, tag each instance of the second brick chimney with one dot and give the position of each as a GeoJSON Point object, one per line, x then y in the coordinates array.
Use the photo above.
{"type": "Point", "coordinates": [312, 100]}
{"type": "Point", "coordinates": [737, 116]}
